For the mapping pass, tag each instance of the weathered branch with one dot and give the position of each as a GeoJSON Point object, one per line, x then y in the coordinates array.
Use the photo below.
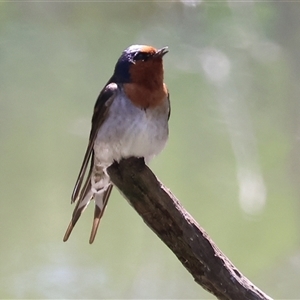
{"type": "Point", "coordinates": [163, 213]}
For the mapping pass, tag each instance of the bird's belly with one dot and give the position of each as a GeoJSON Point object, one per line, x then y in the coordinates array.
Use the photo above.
{"type": "Point", "coordinates": [135, 132]}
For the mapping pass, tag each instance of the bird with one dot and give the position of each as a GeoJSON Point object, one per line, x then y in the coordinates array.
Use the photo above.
{"type": "Point", "coordinates": [130, 119]}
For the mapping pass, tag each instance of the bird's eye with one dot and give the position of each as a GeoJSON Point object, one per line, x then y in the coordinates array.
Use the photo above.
{"type": "Point", "coordinates": [141, 56]}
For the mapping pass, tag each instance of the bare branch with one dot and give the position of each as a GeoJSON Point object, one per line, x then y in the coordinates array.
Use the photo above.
{"type": "Point", "coordinates": [164, 214]}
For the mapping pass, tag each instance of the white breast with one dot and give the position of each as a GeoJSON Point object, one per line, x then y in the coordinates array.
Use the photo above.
{"type": "Point", "coordinates": [131, 131]}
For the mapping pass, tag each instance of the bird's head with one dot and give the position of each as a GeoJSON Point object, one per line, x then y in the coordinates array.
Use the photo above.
{"type": "Point", "coordinates": [140, 64]}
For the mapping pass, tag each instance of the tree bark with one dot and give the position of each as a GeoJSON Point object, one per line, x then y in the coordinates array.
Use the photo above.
{"type": "Point", "coordinates": [164, 214]}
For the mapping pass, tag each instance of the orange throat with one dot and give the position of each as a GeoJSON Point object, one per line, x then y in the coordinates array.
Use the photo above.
{"type": "Point", "coordinates": [143, 97]}
{"type": "Point", "coordinates": [146, 88]}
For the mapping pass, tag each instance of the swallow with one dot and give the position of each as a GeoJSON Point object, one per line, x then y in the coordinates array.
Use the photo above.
{"type": "Point", "coordinates": [130, 118]}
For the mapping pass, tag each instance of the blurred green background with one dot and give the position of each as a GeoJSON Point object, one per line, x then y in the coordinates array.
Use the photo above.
{"type": "Point", "coordinates": [232, 159]}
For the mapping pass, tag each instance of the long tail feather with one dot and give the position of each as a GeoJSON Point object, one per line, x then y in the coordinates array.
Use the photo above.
{"type": "Point", "coordinates": [100, 204]}
{"type": "Point", "coordinates": [78, 210]}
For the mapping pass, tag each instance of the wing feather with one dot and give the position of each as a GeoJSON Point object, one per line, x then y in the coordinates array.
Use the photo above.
{"type": "Point", "coordinates": [84, 193]}
{"type": "Point", "coordinates": [101, 109]}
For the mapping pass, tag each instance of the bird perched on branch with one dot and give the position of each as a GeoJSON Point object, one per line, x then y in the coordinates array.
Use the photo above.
{"type": "Point", "coordinates": [130, 119]}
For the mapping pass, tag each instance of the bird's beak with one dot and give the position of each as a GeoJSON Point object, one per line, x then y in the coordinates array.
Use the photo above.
{"type": "Point", "coordinates": [161, 52]}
